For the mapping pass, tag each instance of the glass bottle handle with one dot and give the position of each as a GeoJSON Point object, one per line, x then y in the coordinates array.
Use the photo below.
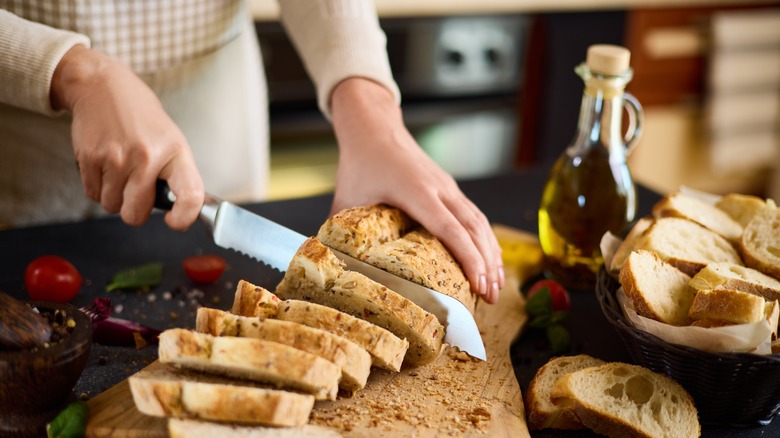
{"type": "Point", "coordinates": [636, 118]}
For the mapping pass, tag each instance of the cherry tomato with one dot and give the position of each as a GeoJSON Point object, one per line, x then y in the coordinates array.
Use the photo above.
{"type": "Point", "coordinates": [204, 268]}
{"type": "Point", "coordinates": [558, 295]}
{"type": "Point", "coordinates": [52, 278]}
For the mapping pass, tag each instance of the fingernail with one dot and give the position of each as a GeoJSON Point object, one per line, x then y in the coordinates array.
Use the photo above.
{"type": "Point", "coordinates": [501, 277]}
{"type": "Point", "coordinates": [494, 289]}
{"type": "Point", "coordinates": [482, 289]}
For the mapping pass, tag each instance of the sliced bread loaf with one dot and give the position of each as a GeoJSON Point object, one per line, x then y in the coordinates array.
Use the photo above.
{"type": "Point", "coordinates": [419, 257]}
{"type": "Point", "coordinates": [740, 207]}
{"type": "Point", "coordinates": [542, 413]}
{"type": "Point", "coordinates": [180, 428]}
{"type": "Point", "coordinates": [386, 349]}
{"type": "Point", "coordinates": [354, 230]}
{"type": "Point", "coordinates": [316, 275]}
{"type": "Point", "coordinates": [687, 245]}
{"type": "Point", "coordinates": [622, 400]}
{"type": "Point", "coordinates": [656, 289]}
{"type": "Point", "coordinates": [251, 359]}
{"type": "Point", "coordinates": [730, 276]}
{"type": "Point", "coordinates": [760, 244]}
{"type": "Point", "coordinates": [251, 300]}
{"type": "Point", "coordinates": [732, 306]}
{"type": "Point", "coordinates": [170, 392]}
{"type": "Point", "coordinates": [701, 212]}
{"type": "Point", "coordinates": [354, 361]}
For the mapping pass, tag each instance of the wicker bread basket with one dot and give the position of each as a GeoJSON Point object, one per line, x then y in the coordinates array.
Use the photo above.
{"type": "Point", "coordinates": [729, 389]}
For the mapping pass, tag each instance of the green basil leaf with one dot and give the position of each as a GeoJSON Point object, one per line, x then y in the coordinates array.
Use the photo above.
{"type": "Point", "coordinates": [540, 321]}
{"type": "Point", "coordinates": [70, 423]}
{"type": "Point", "coordinates": [559, 338]}
{"type": "Point", "coordinates": [558, 316]}
{"type": "Point", "coordinates": [140, 277]}
{"type": "Point", "coordinates": [539, 303]}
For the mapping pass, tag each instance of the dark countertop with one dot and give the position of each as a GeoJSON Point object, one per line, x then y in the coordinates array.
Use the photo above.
{"type": "Point", "coordinates": [99, 248]}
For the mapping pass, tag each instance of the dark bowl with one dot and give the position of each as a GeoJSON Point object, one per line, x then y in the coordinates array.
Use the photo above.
{"type": "Point", "coordinates": [36, 384]}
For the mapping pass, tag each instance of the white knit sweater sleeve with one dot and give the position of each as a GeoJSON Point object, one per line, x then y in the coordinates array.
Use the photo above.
{"type": "Point", "coordinates": [29, 54]}
{"type": "Point", "coordinates": [338, 39]}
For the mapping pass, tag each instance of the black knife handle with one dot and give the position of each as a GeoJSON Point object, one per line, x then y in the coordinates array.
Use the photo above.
{"type": "Point", "coordinates": [163, 196]}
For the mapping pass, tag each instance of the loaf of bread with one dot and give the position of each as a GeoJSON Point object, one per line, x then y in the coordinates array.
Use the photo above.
{"type": "Point", "coordinates": [622, 400]}
{"type": "Point", "coordinates": [354, 361]}
{"type": "Point", "coordinates": [386, 349]}
{"type": "Point", "coordinates": [181, 428]}
{"type": "Point", "coordinates": [251, 359]}
{"type": "Point", "coordinates": [170, 392]}
{"type": "Point", "coordinates": [730, 276]}
{"type": "Point", "coordinates": [355, 230]}
{"type": "Point", "coordinates": [703, 213]}
{"type": "Point", "coordinates": [315, 274]}
{"type": "Point", "coordinates": [656, 289]}
{"type": "Point", "coordinates": [251, 300]}
{"type": "Point", "coordinates": [741, 207]}
{"type": "Point", "coordinates": [687, 245]}
{"type": "Point", "coordinates": [760, 243]}
{"type": "Point", "coordinates": [727, 305]}
{"type": "Point", "coordinates": [386, 238]}
{"type": "Point", "coordinates": [542, 413]}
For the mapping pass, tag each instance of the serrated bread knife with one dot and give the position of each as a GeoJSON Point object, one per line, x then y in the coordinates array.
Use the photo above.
{"type": "Point", "coordinates": [275, 245]}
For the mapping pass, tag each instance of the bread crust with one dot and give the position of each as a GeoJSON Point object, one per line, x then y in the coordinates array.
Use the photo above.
{"type": "Point", "coordinates": [703, 213]}
{"type": "Point", "coordinates": [252, 300]}
{"type": "Point", "coordinates": [354, 230]}
{"type": "Point", "coordinates": [760, 243]}
{"type": "Point", "coordinates": [354, 361]}
{"type": "Point", "coordinates": [386, 349]}
{"type": "Point", "coordinates": [734, 306]}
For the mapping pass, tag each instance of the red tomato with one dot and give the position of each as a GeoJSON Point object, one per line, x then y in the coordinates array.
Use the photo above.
{"type": "Point", "coordinates": [52, 278]}
{"type": "Point", "coordinates": [559, 296]}
{"type": "Point", "coordinates": [204, 268]}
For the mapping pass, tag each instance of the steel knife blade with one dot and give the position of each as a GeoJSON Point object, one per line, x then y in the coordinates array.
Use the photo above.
{"type": "Point", "coordinates": [248, 233]}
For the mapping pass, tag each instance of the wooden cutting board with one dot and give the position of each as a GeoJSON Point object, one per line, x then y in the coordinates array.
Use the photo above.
{"type": "Point", "coordinates": [453, 396]}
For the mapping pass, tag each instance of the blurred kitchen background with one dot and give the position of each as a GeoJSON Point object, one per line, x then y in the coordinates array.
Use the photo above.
{"type": "Point", "coordinates": [488, 86]}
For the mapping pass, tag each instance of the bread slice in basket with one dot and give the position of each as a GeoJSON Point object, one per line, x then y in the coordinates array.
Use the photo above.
{"type": "Point", "coordinates": [386, 349]}
{"type": "Point", "coordinates": [170, 392]}
{"type": "Point", "coordinates": [542, 413]}
{"type": "Point", "coordinates": [623, 400]}
{"type": "Point", "coordinates": [656, 289]}
{"type": "Point", "coordinates": [251, 359]}
{"type": "Point", "coordinates": [742, 208]}
{"type": "Point", "coordinates": [315, 274]}
{"type": "Point", "coordinates": [703, 213]}
{"type": "Point", "coordinates": [760, 244]}
{"type": "Point", "coordinates": [354, 361]}
{"type": "Point", "coordinates": [742, 278]}
{"type": "Point", "coordinates": [731, 306]}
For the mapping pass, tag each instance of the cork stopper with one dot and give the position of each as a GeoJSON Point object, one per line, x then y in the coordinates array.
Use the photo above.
{"type": "Point", "coordinates": [608, 59]}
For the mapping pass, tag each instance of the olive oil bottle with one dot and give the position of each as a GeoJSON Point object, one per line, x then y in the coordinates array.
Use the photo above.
{"type": "Point", "coordinates": [590, 190]}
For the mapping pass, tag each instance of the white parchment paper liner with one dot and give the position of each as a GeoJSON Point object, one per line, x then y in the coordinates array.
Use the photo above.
{"type": "Point", "coordinates": [740, 338]}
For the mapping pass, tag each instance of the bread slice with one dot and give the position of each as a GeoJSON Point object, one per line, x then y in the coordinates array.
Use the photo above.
{"type": "Point", "coordinates": [656, 289]}
{"type": "Point", "coordinates": [251, 300]}
{"type": "Point", "coordinates": [701, 212]}
{"type": "Point", "coordinates": [760, 244]}
{"type": "Point", "coordinates": [732, 306]}
{"type": "Point", "coordinates": [740, 207]}
{"type": "Point", "coordinates": [633, 241]}
{"type": "Point", "coordinates": [354, 361]}
{"type": "Point", "coordinates": [622, 400]}
{"type": "Point", "coordinates": [386, 349]}
{"type": "Point", "coordinates": [542, 413]}
{"type": "Point", "coordinates": [687, 245]}
{"type": "Point", "coordinates": [170, 392]}
{"type": "Point", "coordinates": [730, 276]}
{"type": "Point", "coordinates": [420, 257]}
{"type": "Point", "coordinates": [251, 359]}
{"type": "Point", "coordinates": [354, 230]}
{"type": "Point", "coordinates": [180, 428]}
{"type": "Point", "coordinates": [316, 275]}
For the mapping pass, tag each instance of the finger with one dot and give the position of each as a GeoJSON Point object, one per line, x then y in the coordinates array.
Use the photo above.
{"type": "Point", "coordinates": [478, 228]}
{"type": "Point", "coordinates": [138, 198]}
{"type": "Point", "coordinates": [112, 189]}
{"type": "Point", "coordinates": [186, 184]}
{"type": "Point", "coordinates": [91, 180]}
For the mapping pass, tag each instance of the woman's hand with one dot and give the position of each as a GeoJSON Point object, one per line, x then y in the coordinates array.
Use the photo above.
{"type": "Point", "coordinates": [380, 162]}
{"type": "Point", "coordinates": [124, 140]}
